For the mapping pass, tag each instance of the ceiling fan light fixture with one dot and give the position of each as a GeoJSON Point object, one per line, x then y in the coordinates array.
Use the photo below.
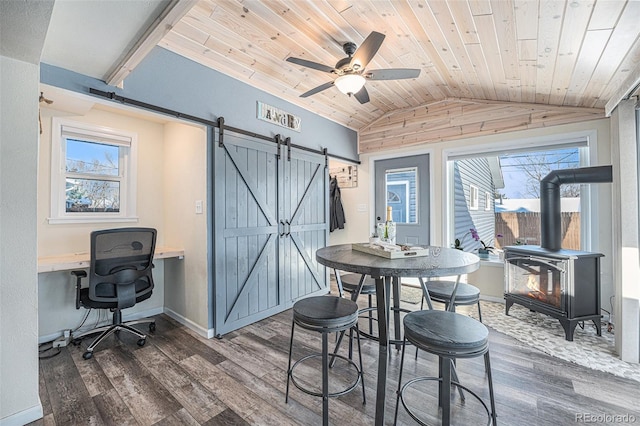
{"type": "Point", "coordinates": [350, 83]}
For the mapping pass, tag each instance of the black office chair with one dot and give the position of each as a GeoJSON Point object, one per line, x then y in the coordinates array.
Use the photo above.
{"type": "Point", "coordinates": [119, 277]}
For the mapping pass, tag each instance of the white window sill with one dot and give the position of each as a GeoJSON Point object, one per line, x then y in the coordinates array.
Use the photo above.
{"type": "Point", "coordinates": [493, 261]}
{"type": "Point", "coordinates": [100, 219]}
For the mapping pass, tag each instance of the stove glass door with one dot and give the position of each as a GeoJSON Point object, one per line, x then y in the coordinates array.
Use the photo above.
{"type": "Point", "coordinates": [540, 279]}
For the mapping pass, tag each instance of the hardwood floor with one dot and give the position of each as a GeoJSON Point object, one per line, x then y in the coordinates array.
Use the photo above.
{"type": "Point", "coordinates": [179, 378]}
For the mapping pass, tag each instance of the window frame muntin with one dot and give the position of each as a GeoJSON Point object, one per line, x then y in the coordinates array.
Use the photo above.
{"type": "Point", "coordinates": [487, 201]}
{"type": "Point", "coordinates": [474, 189]}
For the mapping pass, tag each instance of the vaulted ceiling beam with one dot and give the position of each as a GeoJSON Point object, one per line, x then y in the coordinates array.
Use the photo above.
{"type": "Point", "coordinates": [630, 85]}
{"type": "Point", "coordinates": [170, 16]}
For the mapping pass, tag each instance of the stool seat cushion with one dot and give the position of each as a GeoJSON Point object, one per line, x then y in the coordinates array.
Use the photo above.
{"type": "Point", "coordinates": [350, 283]}
{"type": "Point", "coordinates": [444, 331]}
{"type": "Point", "coordinates": [326, 311]}
{"type": "Point", "coordinates": [441, 291]}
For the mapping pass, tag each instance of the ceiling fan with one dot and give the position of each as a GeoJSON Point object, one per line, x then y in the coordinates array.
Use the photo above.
{"type": "Point", "coordinates": [351, 71]}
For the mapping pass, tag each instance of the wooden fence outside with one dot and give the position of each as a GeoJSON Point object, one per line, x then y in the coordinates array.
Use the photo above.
{"type": "Point", "coordinates": [525, 228]}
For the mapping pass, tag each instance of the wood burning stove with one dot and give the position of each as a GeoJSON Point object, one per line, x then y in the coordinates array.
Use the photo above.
{"type": "Point", "coordinates": [563, 284]}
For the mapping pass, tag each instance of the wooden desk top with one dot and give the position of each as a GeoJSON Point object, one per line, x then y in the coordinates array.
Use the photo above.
{"type": "Point", "coordinates": [70, 261]}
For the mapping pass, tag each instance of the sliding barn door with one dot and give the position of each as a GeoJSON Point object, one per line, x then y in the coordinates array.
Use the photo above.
{"type": "Point", "coordinates": [305, 211]}
{"type": "Point", "coordinates": [245, 214]}
{"type": "Point", "coordinates": [270, 216]}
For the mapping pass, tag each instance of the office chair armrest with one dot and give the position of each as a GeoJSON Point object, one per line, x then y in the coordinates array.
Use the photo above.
{"type": "Point", "coordinates": [79, 276]}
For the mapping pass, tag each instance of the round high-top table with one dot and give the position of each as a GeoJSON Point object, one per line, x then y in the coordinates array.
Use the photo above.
{"type": "Point", "coordinates": [447, 262]}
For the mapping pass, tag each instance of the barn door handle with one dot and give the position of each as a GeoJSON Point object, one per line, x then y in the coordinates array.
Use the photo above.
{"type": "Point", "coordinates": [288, 227]}
{"type": "Point", "coordinates": [281, 233]}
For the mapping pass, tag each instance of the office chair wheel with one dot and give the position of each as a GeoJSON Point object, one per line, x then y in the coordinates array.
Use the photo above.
{"type": "Point", "coordinates": [87, 355]}
{"type": "Point", "coordinates": [152, 326]}
{"type": "Point", "coordinates": [141, 342]}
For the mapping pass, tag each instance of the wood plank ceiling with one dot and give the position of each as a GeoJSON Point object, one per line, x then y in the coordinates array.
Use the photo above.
{"type": "Point", "coordinates": [555, 53]}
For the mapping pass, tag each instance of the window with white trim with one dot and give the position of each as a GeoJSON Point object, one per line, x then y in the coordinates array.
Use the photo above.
{"type": "Point", "coordinates": [93, 173]}
{"type": "Point", "coordinates": [487, 201]}
{"type": "Point", "coordinates": [473, 197]}
{"type": "Point", "coordinates": [516, 207]}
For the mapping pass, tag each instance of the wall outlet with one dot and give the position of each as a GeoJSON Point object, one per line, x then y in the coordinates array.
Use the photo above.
{"type": "Point", "coordinates": [198, 206]}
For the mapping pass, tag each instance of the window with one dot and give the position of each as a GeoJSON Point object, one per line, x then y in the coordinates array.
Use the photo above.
{"type": "Point", "coordinates": [514, 177]}
{"type": "Point", "coordinates": [92, 173]}
{"type": "Point", "coordinates": [473, 197]}
{"type": "Point", "coordinates": [402, 194]}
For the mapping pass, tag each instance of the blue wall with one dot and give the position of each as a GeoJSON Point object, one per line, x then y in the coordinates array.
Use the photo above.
{"type": "Point", "coordinates": [171, 81]}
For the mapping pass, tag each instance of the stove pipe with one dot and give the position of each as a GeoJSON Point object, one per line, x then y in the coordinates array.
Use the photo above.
{"type": "Point", "coordinates": [550, 219]}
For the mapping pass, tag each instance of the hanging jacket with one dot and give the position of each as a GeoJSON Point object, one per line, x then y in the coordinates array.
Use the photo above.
{"type": "Point", "coordinates": [336, 212]}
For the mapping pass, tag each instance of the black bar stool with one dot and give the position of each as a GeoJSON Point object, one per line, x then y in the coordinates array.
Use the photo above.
{"type": "Point", "coordinates": [355, 285]}
{"type": "Point", "coordinates": [325, 314]}
{"type": "Point", "coordinates": [449, 336]}
{"type": "Point", "coordinates": [466, 294]}
{"type": "Point", "coordinates": [440, 291]}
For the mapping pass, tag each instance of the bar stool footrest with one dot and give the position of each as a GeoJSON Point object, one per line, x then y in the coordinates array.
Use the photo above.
{"type": "Point", "coordinates": [333, 394]}
{"type": "Point", "coordinates": [439, 379]}
{"type": "Point", "coordinates": [376, 338]}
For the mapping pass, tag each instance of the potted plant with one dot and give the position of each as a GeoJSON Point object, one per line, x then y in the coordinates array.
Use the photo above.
{"type": "Point", "coordinates": [483, 252]}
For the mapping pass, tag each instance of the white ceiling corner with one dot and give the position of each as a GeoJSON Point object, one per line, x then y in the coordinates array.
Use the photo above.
{"type": "Point", "coordinates": [91, 37]}
{"type": "Point", "coordinates": [23, 28]}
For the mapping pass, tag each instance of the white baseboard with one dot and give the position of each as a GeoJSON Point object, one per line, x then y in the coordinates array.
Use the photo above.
{"type": "Point", "coordinates": [48, 338]}
{"type": "Point", "coordinates": [492, 299]}
{"type": "Point", "coordinates": [125, 317]}
{"type": "Point", "coordinates": [142, 314]}
{"type": "Point", "coordinates": [204, 332]}
{"type": "Point", "coordinates": [23, 417]}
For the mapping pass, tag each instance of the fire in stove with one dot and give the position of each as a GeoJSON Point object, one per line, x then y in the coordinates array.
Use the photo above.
{"type": "Point", "coordinates": [540, 286]}
{"type": "Point", "coordinates": [549, 297]}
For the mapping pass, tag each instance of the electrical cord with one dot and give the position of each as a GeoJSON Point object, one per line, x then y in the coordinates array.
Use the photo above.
{"type": "Point", "coordinates": [86, 315]}
{"type": "Point", "coordinates": [610, 322]}
{"type": "Point", "coordinates": [44, 348]}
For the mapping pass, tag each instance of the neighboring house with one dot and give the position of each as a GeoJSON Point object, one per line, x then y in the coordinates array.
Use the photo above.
{"type": "Point", "coordinates": [475, 181]}
{"type": "Point", "coordinates": [401, 195]}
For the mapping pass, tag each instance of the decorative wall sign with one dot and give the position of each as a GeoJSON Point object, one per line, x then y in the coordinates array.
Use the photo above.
{"type": "Point", "coordinates": [346, 175]}
{"type": "Point", "coordinates": [277, 116]}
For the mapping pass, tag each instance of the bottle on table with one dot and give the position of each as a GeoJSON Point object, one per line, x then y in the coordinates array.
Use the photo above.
{"type": "Point", "coordinates": [390, 227]}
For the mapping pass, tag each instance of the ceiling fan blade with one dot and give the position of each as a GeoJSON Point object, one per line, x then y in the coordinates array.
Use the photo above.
{"type": "Point", "coordinates": [392, 74]}
{"type": "Point", "coordinates": [317, 89]}
{"type": "Point", "coordinates": [367, 50]}
{"type": "Point", "coordinates": [362, 96]}
{"type": "Point", "coordinates": [311, 64]}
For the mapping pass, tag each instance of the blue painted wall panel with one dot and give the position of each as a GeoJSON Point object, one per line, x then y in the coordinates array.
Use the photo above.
{"type": "Point", "coordinates": [171, 81]}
